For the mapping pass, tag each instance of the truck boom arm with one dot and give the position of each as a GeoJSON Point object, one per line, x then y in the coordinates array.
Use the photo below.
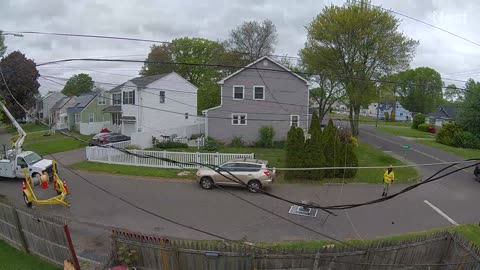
{"type": "Point", "coordinates": [21, 132]}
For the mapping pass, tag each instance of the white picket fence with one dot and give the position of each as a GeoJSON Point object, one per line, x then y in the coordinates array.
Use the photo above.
{"type": "Point", "coordinates": [114, 156]}
{"type": "Point", "coordinates": [122, 145]}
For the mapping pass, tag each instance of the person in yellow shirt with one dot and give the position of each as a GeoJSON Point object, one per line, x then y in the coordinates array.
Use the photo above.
{"type": "Point", "coordinates": [388, 178]}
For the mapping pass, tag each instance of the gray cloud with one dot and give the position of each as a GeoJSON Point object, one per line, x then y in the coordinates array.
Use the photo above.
{"type": "Point", "coordinates": [213, 19]}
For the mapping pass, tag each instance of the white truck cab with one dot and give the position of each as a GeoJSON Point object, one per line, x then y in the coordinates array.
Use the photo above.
{"type": "Point", "coordinates": [12, 166]}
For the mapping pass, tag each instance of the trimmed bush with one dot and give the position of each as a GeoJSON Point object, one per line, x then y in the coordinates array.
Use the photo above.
{"type": "Point", "coordinates": [211, 144]}
{"type": "Point", "coordinates": [169, 144]}
{"type": "Point", "coordinates": [447, 132]}
{"type": "Point", "coordinates": [295, 151]}
{"type": "Point", "coordinates": [466, 139]}
{"type": "Point", "coordinates": [331, 149]}
{"type": "Point", "coordinates": [279, 144]}
{"type": "Point", "coordinates": [423, 127]}
{"type": "Point", "coordinates": [237, 142]}
{"type": "Point", "coordinates": [265, 136]}
{"type": "Point", "coordinates": [417, 120]}
{"type": "Point", "coordinates": [313, 154]}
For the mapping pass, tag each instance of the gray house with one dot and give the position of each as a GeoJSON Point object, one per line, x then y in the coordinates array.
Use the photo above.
{"type": "Point", "coordinates": [264, 93]}
{"type": "Point", "coordinates": [443, 114]}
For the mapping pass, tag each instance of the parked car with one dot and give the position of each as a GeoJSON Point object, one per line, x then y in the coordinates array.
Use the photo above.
{"type": "Point", "coordinates": [106, 138]}
{"type": "Point", "coordinates": [252, 172]}
{"type": "Point", "coordinates": [476, 172]}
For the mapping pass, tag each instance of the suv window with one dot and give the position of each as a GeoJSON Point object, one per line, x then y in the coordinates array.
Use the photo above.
{"type": "Point", "coordinates": [248, 167]}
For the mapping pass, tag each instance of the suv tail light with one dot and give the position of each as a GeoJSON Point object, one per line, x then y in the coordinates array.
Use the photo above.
{"type": "Point", "coordinates": [267, 173]}
{"type": "Point", "coordinates": [104, 141]}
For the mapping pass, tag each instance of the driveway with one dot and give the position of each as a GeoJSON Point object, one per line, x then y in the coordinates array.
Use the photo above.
{"type": "Point", "coordinates": [93, 212]}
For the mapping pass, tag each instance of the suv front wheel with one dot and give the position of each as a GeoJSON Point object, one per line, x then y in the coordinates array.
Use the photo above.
{"type": "Point", "coordinates": [254, 186]}
{"type": "Point", "coordinates": [206, 183]}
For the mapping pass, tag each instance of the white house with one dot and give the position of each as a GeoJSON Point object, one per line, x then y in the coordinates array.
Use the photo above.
{"type": "Point", "coordinates": [157, 105]}
{"type": "Point", "coordinates": [401, 114]}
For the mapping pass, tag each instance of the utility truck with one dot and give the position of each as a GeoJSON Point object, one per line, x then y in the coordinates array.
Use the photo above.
{"type": "Point", "coordinates": [14, 161]}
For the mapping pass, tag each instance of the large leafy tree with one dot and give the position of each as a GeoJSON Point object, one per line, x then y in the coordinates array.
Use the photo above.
{"type": "Point", "coordinates": [356, 43]}
{"type": "Point", "coordinates": [420, 89]}
{"type": "Point", "coordinates": [254, 39]}
{"type": "Point", "coordinates": [326, 94]}
{"type": "Point", "coordinates": [469, 110]}
{"type": "Point", "coordinates": [453, 94]}
{"type": "Point", "coordinates": [156, 59]}
{"type": "Point", "coordinates": [20, 76]}
{"type": "Point", "coordinates": [3, 48]}
{"type": "Point", "coordinates": [78, 84]}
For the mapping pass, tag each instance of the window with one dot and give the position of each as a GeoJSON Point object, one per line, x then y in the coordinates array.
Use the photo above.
{"type": "Point", "coordinates": [238, 92]}
{"type": "Point", "coordinates": [117, 98]}
{"type": "Point", "coordinates": [401, 114]}
{"type": "Point", "coordinates": [129, 97]}
{"type": "Point", "coordinates": [77, 118]}
{"type": "Point", "coordinates": [21, 163]}
{"type": "Point", "coordinates": [294, 120]}
{"type": "Point", "coordinates": [162, 96]}
{"type": "Point", "coordinates": [259, 92]}
{"type": "Point", "coordinates": [91, 117]}
{"type": "Point", "coordinates": [239, 119]}
{"type": "Point", "coordinates": [101, 100]}
{"type": "Point", "coordinates": [116, 118]}
{"type": "Point", "coordinates": [186, 115]}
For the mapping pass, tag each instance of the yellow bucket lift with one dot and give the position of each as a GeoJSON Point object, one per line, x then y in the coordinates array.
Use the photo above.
{"type": "Point", "coordinates": [58, 185]}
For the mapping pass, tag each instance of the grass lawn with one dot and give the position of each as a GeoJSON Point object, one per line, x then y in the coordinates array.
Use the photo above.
{"type": "Point", "coordinates": [367, 156]}
{"type": "Point", "coordinates": [130, 170]}
{"type": "Point", "coordinates": [28, 128]}
{"type": "Point", "coordinates": [44, 145]}
{"type": "Point", "coordinates": [405, 132]}
{"type": "Point", "coordinates": [469, 231]}
{"type": "Point", "coordinates": [462, 152]}
{"type": "Point", "coordinates": [11, 258]}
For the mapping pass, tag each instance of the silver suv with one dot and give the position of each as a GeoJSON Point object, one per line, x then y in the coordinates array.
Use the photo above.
{"type": "Point", "coordinates": [252, 172]}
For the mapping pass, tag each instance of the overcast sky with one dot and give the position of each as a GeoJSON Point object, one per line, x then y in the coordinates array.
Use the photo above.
{"type": "Point", "coordinates": [213, 19]}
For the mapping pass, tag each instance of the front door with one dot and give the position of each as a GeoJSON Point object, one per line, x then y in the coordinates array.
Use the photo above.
{"type": "Point", "coordinates": [21, 165]}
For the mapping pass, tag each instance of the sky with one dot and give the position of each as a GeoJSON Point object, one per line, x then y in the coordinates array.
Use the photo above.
{"type": "Point", "coordinates": [163, 20]}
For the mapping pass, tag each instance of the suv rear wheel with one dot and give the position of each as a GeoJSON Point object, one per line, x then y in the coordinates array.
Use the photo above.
{"type": "Point", "coordinates": [254, 186]}
{"type": "Point", "coordinates": [206, 183]}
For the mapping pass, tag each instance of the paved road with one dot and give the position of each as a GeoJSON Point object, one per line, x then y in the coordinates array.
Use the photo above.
{"type": "Point", "coordinates": [94, 212]}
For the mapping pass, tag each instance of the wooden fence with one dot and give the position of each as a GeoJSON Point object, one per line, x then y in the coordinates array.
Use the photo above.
{"type": "Point", "coordinates": [48, 238]}
{"type": "Point", "coordinates": [423, 252]}
{"type": "Point", "coordinates": [113, 156]}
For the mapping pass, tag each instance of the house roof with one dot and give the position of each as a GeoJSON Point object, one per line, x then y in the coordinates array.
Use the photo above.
{"type": "Point", "coordinates": [146, 80]}
{"type": "Point", "coordinates": [113, 109]}
{"type": "Point", "coordinates": [258, 60]}
{"type": "Point", "coordinates": [447, 112]}
{"type": "Point", "coordinates": [117, 88]}
{"type": "Point", "coordinates": [61, 103]}
{"type": "Point", "coordinates": [81, 102]}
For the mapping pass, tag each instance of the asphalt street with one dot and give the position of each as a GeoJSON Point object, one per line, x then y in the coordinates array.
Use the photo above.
{"type": "Point", "coordinates": [93, 212]}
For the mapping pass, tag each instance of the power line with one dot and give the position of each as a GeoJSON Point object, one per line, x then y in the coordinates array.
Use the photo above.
{"type": "Point", "coordinates": [422, 22]}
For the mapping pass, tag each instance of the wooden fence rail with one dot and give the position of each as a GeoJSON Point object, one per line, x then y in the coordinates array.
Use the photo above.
{"type": "Point", "coordinates": [431, 252]}
{"type": "Point", "coordinates": [114, 156]}
{"type": "Point", "coordinates": [42, 236]}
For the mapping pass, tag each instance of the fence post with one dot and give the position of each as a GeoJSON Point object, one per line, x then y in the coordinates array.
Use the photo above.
{"type": "Point", "coordinates": [135, 157]}
{"type": "Point", "coordinates": [216, 158]}
{"type": "Point", "coordinates": [70, 246]}
{"type": "Point", "coordinates": [20, 230]}
{"type": "Point", "coordinates": [316, 262]}
{"type": "Point", "coordinates": [109, 151]}
{"type": "Point", "coordinates": [197, 158]}
{"type": "Point", "coordinates": [164, 155]}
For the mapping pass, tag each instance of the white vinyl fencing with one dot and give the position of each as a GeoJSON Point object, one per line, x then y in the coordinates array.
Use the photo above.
{"type": "Point", "coordinates": [114, 156]}
{"type": "Point", "coordinates": [122, 145]}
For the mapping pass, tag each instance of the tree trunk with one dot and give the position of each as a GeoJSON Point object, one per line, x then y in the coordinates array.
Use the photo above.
{"type": "Point", "coordinates": [354, 118]}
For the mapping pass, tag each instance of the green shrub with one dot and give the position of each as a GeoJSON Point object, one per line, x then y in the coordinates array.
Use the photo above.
{"type": "Point", "coordinates": [331, 148]}
{"type": "Point", "coordinates": [211, 144]}
{"type": "Point", "coordinates": [196, 136]}
{"type": "Point", "coordinates": [294, 147]}
{"type": "Point", "coordinates": [348, 158]}
{"type": "Point", "coordinates": [447, 132]}
{"type": "Point", "coordinates": [423, 127]}
{"type": "Point", "coordinates": [170, 144]}
{"type": "Point", "coordinates": [466, 139]}
{"type": "Point", "coordinates": [387, 116]}
{"type": "Point", "coordinates": [132, 147]}
{"type": "Point", "coordinates": [417, 120]}
{"type": "Point", "coordinates": [279, 144]}
{"type": "Point", "coordinates": [237, 142]}
{"type": "Point", "coordinates": [313, 156]}
{"type": "Point", "coordinates": [265, 136]}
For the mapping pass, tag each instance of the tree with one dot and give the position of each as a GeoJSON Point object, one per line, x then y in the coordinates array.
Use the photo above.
{"type": "Point", "coordinates": [326, 94]}
{"type": "Point", "coordinates": [357, 43]}
{"type": "Point", "coordinates": [313, 154]}
{"type": "Point", "coordinates": [468, 114]}
{"type": "Point", "coordinates": [420, 89]}
{"type": "Point", "coordinates": [253, 39]}
{"type": "Point", "coordinates": [3, 48]}
{"type": "Point", "coordinates": [78, 84]}
{"type": "Point", "coordinates": [453, 94]}
{"type": "Point", "coordinates": [21, 77]}
{"type": "Point", "coordinates": [160, 54]}
{"type": "Point", "coordinates": [332, 149]}
{"type": "Point", "coordinates": [295, 148]}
